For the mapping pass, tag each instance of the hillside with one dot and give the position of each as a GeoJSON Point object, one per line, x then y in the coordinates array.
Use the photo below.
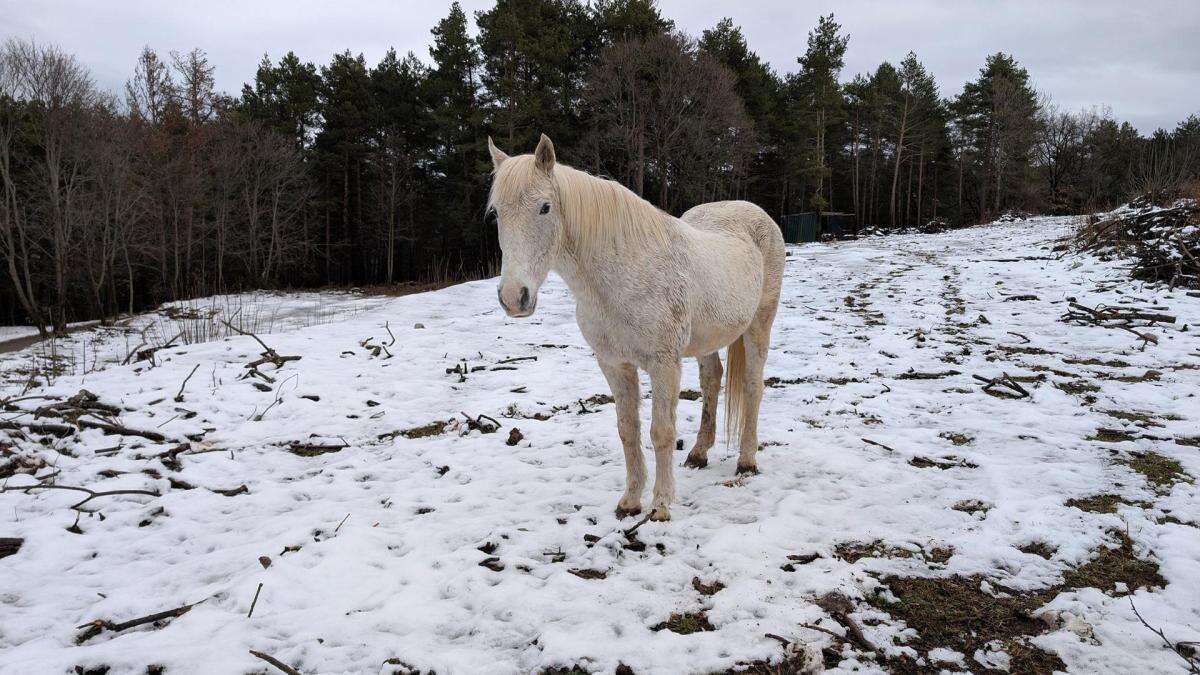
{"type": "Point", "coordinates": [961, 468]}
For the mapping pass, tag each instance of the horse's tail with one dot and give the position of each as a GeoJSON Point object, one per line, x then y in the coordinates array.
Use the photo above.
{"type": "Point", "coordinates": [735, 391]}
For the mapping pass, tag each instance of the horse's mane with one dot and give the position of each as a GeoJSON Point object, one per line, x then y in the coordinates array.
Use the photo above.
{"type": "Point", "coordinates": [597, 212]}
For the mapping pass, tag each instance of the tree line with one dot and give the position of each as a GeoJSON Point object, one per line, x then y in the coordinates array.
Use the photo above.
{"type": "Point", "coordinates": [357, 173]}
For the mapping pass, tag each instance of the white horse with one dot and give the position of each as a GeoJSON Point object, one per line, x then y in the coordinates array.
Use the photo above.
{"type": "Point", "coordinates": [649, 289]}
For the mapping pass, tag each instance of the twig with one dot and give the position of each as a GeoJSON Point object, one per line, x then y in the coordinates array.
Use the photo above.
{"type": "Point", "coordinates": [516, 359]}
{"type": "Point", "coordinates": [254, 602]}
{"type": "Point", "coordinates": [633, 530]}
{"type": "Point", "coordinates": [390, 334]}
{"type": "Point", "coordinates": [878, 444]}
{"type": "Point", "coordinates": [275, 662]}
{"type": "Point", "coordinates": [820, 629]}
{"type": "Point", "coordinates": [92, 494]}
{"type": "Point", "coordinates": [339, 525]}
{"type": "Point", "coordinates": [94, 628]}
{"type": "Point", "coordinates": [1193, 663]}
{"type": "Point", "coordinates": [179, 396]}
{"type": "Point", "coordinates": [1003, 381]}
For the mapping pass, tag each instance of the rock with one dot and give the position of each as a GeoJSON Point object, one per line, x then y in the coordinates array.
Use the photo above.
{"type": "Point", "coordinates": [418, 326]}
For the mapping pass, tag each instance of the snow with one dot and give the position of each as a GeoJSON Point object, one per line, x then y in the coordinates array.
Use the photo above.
{"type": "Point", "coordinates": [389, 528]}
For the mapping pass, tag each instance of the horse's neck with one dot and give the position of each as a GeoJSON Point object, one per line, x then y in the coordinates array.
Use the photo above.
{"type": "Point", "coordinates": [596, 275]}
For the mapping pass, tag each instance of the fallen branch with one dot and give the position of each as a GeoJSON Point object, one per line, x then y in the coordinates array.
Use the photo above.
{"type": "Point", "coordinates": [1003, 381]}
{"type": "Point", "coordinates": [517, 359]}
{"type": "Point", "coordinates": [94, 628]}
{"type": "Point", "coordinates": [275, 662]}
{"type": "Point", "coordinates": [92, 494]}
{"type": "Point", "coordinates": [476, 423]}
{"type": "Point", "coordinates": [268, 354]}
{"type": "Point", "coordinates": [48, 428]}
{"type": "Point", "coordinates": [839, 607]}
{"type": "Point", "coordinates": [179, 396]}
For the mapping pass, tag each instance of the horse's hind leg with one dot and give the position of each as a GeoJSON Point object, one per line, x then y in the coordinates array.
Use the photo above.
{"type": "Point", "coordinates": [757, 342]}
{"type": "Point", "coordinates": [710, 389]}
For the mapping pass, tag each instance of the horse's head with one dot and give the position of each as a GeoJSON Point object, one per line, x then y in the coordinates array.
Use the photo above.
{"type": "Point", "coordinates": [524, 207]}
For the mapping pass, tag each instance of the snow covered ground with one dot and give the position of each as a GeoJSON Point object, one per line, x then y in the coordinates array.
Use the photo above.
{"type": "Point", "coordinates": [386, 530]}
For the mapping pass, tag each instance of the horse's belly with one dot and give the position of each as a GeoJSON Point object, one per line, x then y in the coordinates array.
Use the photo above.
{"type": "Point", "coordinates": [725, 314]}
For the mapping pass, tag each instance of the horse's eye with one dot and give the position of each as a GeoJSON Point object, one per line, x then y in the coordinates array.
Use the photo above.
{"type": "Point", "coordinates": [489, 219]}
{"type": "Point", "coordinates": [545, 208]}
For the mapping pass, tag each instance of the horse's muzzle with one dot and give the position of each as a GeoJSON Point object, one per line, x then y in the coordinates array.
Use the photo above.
{"type": "Point", "coordinates": [516, 300]}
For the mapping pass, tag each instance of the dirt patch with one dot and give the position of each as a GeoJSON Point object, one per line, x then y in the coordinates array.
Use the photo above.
{"type": "Point", "coordinates": [589, 574]}
{"type": "Point", "coordinates": [1035, 351]}
{"type": "Point", "coordinates": [599, 399]}
{"type": "Point", "coordinates": [972, 506]}
{"type": "Point", "coordinates": [707, 589]}
{"type": "Point", "coordinates": [689, 395]}
{"type": "Point", "coordinates": [1139, 417]}
{"type": "Point", "coordinates": [1160, 472]}
{"type": "Point", "coordinates": [853, 551]}
{"type": "Point", "coordinates": [956, 438]}
{"type": "Point", "coordinates": [1077, 387]}
{"type": "Point", "coordinates": [955, 613]}
{"type": "Point", "coordinates": [1113, 363]}
{"type": "Point", "coordinates": [1102, 503]}
{"type": "Point", "coordinates": [913, 375]}
{"type": "Point", "coordinates": [1039, 548]}
{"type": "Point", "coordinates": [1148, 376]}
{"type": "Point", "coordinates": [424, 431]}
{"type": "Point", "coordinates": [685, 624]}
{"type": "Point", "coordinates": [1112, 436]}
{"type": "Point", "coordinates": [943, 463]}
{"type": "Point", "coordinates": [970, 613]}
{"type": "Point", "coordinates": [1113, 566]}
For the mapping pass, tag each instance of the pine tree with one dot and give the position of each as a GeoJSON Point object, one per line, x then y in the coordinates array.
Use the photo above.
{"type": "Point", "coordinates": [401, 126]}
{"type": "Point", "coordinates": [284, 97]}
{"type": "Point", "coordinates": [342, 145]}
{"type": "Point", "coordinates": [818, 91]}
{"type": "Point", "coordinates": [530, 74]}
{"type": "Point", "coordinates": [997, 115]}
{"type": "Point", "coordinates": [459, 156]}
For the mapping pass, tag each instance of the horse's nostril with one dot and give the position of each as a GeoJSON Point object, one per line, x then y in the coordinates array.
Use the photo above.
{"type": "Point", "coordinates": [524, 298]}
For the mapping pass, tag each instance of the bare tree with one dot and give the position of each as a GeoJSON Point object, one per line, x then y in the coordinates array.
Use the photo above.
{"type": "Point", "coordinates": [673, 114]}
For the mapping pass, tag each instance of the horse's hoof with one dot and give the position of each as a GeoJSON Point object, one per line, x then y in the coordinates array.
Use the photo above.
{"type": "Point", "coordinates": [695, 462]}
{"type": "Point", "coordinates": [748, 470]}
{"type": "Point", "coordinates": [660, 514]}
{"type": "Point", "coordinates": [623, 513]}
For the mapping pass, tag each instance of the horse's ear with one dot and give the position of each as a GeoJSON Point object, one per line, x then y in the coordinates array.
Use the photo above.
{"type": "Point", "coordinates": [498, 155]}
{"type": "Point", "coordinates": [544, 155]}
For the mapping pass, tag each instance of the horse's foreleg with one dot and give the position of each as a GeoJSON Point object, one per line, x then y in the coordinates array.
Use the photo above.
{"type": "Point", "coordinates": [664, 379]}
{"type": "Point", "coordinates": [623, 382]}
{"type": "Point", "coordinates": [710, 389]}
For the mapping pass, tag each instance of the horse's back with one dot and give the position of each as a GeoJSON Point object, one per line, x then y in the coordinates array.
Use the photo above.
{"type": "Point", "coordinates": [738, 218]}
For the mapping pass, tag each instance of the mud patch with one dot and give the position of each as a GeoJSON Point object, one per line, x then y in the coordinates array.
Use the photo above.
{"type": "Point", "coordinates": [955, 613]}
{"type": "Point", "coordinates": [707, 589]}
{"type": "Point", "coordinates": [1102, 503]}
{"type": "Point", "coordinates": [685, 624]}
{"type": "Point", "coordinates": [1113, 566]}
{"type": "Point", "coordinates": [1104, 435]}
{"type": "Point", "coordinates": [1160, 472]}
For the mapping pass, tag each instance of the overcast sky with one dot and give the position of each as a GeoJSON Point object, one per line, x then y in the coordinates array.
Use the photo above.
{"type": "Point", "coordinates": [1141, 58]}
